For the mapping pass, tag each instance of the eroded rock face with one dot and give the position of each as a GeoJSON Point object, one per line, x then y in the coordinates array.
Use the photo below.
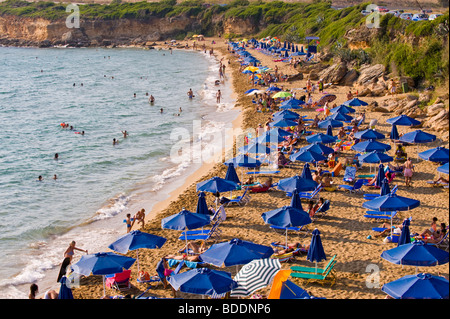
{"type": "Point", "coordinates": [334, 73]}
{"type": "Point", "coordinates": [369, 73]}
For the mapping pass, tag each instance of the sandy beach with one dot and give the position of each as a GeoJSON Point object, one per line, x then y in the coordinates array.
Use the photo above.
{"type": "Point", "coordinates": [344, 231]}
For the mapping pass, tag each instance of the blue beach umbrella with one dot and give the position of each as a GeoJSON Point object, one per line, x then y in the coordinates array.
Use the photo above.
{"type": "Point", "coordinates": [369, 134]}
{"type": "Point", "coordinates": [321, 138]}
{"type": "Point", "coordinates": [283, 123]}
{"type": "Point", "coordinates": [438, 154]}
{"type": "Point", "coordinates": [250, 91]}
{"type": "Point", "coordinates": [417, 137]}
{"type": "Point", "coordinates": [291, 104]}
{"type": "Point", "coordinates": [185, 220]}
{"type": "Point", "coordinates": [202, 206]}
{"type": "Point", "coordinates": [279, 131]}
{"type": "Point", "coordinates": [231, 174]}
{"type": "Point", "coordinates": [269, 137]}
{"type": "Point", "coordinates": [419, 286]}
{"type": "Point", "coordinates": [416, 254]}
{"type": "Point", "coordinates": [375, 157]}
{"type": "Point", "coordinates": [296, 202]}
{"type": "Point", "coordinates": [235, 252]}
{"type": "Point", "coordinates": [318, 148]}
{"type": "Point", "coordinates": [340, 117]}
{"type": "Point", "coordinates": [394, 133]}
{"type": "Point", "coordinates": [306, 172]}
{"type": "Point", "coordinates": [273, 89]}
{"type": "Point", "coordinates": [370, 146]}
{"type": "Point", "coordinates": [307, 156]}
{"type": "Point", "coordinates": [332, 123]}
{"type": "Point", "coordinates": [403, 120]}
{"type": "Point", "coordinates": [329, 130]}
{"type": "Point", "coordinates": [286, 114]}
{"type": "Point", "coordinates": [287, 216]}
{"type": "Point", "coordinates": [296, 182]}
{"type": "Point", "coordinates": [344, 109]}
{"type": "Point", "coordinates": [134, 240]}
{"type": "Point", "coordinates": [216, 184]}
{"type": "Point", "coordinates": [103, 263]}
{"type": "Point", "coordinates": [64, 291]}
{"type": "Point", "coordinates": [355, 102]}
{"type": "Point", "coordinates": [443, 168]}
{"type": "Point", "coordinates": [316, 252]}
{"type": "Point", "coordinates": [289, 290]}
{"type": "Point", "coordinates": [202, 281]}
{"type": "Point", "coordinates": [391, 202]}
{"type": "Point", "coordinates": [405, 236]}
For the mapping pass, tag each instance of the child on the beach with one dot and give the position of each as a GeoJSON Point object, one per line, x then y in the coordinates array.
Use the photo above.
{"type": "Point", "coordinates": [130, 222]}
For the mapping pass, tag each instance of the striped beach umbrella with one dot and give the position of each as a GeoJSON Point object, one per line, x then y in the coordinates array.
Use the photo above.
{"type": "Point", "coordinates": [255, 275]}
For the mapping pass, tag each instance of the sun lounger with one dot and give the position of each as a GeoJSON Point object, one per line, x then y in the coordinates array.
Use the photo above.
{"type": "Point", "coordinates": [381, 216]}
{"type": "Point", "coordinates": [214, 228]}
{"type": "Point", "coordinates": [313, 195]}
{"type": "Point", "coordinates": [119, 281]}
{"type": "Point", "coordinates": [327, 277]}
{"type": "Point", "coordinates": [323, 209]}
{"type": "Point", "coordinates": [313, 269]}
{"type": "Point", "coordinates": [263, 172]}
{"type": "Point", "coordinates": [288, 256]}
{"type": "Point", "coordinates": [443, 243]}
{"type": "Point", "coordinates": [373, 196]}
{"type": "Point", "coordinates": [240, 200]}
{"type": "Point", "coordinates": [349, 174]}
{"type": "Point", "coordinates": [213, 233]}
{"type": "Point", "coordinates": [355, 188]}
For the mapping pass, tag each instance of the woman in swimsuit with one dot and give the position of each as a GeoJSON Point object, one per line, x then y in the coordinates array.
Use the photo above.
{"type": "Point", "coordinates": [68, 254]}
{"type": "Point", "coordinates": [408, 171]}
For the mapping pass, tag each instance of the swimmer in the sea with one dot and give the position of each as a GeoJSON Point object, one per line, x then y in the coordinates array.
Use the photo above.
{"type": "Point", "coordinates": [115, 141]}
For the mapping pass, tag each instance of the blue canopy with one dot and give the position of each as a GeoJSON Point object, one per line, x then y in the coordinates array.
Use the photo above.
{"type": "Point", "coordinates": [64, 291]}
{"type": "Point", "coordinates": [405, 236]}
{"type": "Point", "coordinates": [231, 174]}
{"type": "Point", "coordinates": [416, 254]}
{"type": "Point", "coordinates": [321, 138]}
{"type": "Point", "coordinates": [283, 123]}
{"type": "Point", "coordinates": [419, 286]}
{"type": "Point", "coordinates": [380, 175]}
{"type": "Point", "coordinates": [344, 109]}
{"type": "Point", "coordinates": [391, 202]}
{"type": "Point", "coordinates": [318, 148]}
{"type": "Point", "coordinates": [355, 102]}
{"type": "Point", "coordinates": [202, 281]}
{"type": "Point", "coordinates": [306, 172]}
{"type": "Point", "coordinates": [329, 130]}
{"type": "Point", "coordinates": [244, 161]}
{"type": "Point", "coordinates": [250, 91]}
{"type": "Point", "coordinates": [202, 206]}
{"type": "Point", "coordinates": [287, 216]}
{"type": "Point", "coordinates": [286, 114]}
{"type": "Point", "coordinates": [216, 184]}
{"type": "Point", "coordinates": [102, 264]}
{"type": "Point", "coordinates": [375, 157]}
{"type": "Point", "coordinates": [289, 290]}
{"type": "Point", "coordinates": [394, 133]}
{"type": "Point", "coordinates": [296, 202]}
{"type": "Point", "coordinates": [296, 182]}
{"type": "Point", "coordinates": [340, 117]}
{"type": "Point", "coordinates": [369, 134]}
{"type": "Point", "coordinates": [385, 189]}
{"type": "Point", "coordinates": [403, 120]}
{"type": "Point", "coordinates": [273, 89]}
{"type": "Point", "coordinates": [279, 131]}
{"type": "Point", "coordinates": [136, 239]}
{"type": "Point", "coordinates": [291, 104]}
{"type": "Point", "coordinates": [185, 220]}
{"type": "Point", "coordinates": [443, 168]}
{"type": "Point", "coordinates": [332, 123]}
{"type": "Point", "coordinates": [438, 154]}
{"type": "Point", "coordinates": [308, 156]}
{"type": "Point", "coordinates": [235, 252]}
{"type": "Point", "coordinates": [370, 146]}
{"type": "Point", "coordinates": [316, 252]}
{"type": "Point", "coordinates": [417, 137]}
{"type": "Point", "coordinates": [269, 137]}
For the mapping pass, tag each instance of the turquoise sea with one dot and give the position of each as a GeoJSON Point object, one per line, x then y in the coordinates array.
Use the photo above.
{"type": "Point", "coordinates": [101, 92]}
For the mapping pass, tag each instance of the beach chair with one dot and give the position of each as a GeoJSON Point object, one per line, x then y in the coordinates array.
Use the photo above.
{"type": "Point", "coordinates": [119, 281]}
{"type": "Point", "coordinates": [194, 232]}
{"type": "Point", "coordinates": [313, 269]}
{"type": "Point", "coordinates": [323, 209]}
{"type": "Point", "coordinates": [288, 256]}
{"type": "Point", "coordinates": [349, 174]}
{"type": "Point", "coordinates": [381, 215]}
{"type": "Point", "coordinates": [443, 243]}
{"type": "Point", "coordinates": [373, 196]}
{"type": "Point", "coordinates": [240, 200]}
{"type": "Point", "coordinates": [313, 195]}
{"type": "Point", "coordinates": [212, 233]}
{"type": "Point", "coordinates": [326, 277]}
{"type": "Point", "coordinates": [355, 188]}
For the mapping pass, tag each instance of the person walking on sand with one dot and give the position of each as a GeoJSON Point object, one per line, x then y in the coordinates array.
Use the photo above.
{"type": "Point", "coordinates": [140, 217]}
{"type": "Point", "coordinates": [408, 171]}
{"type": "Point", "coordinates": [218, 96]}
{"type": "Point", "coordinates": [68, 254]}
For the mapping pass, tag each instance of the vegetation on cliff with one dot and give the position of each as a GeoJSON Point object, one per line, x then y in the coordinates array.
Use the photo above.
{"type": "Point", "coordinates": [416, 49]}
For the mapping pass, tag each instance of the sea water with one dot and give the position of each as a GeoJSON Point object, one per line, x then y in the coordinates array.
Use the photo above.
{"type": "Point", "coordinates": [102, 92]}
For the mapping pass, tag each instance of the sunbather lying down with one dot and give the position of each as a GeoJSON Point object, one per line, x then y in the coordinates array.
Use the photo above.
{"type": "Point", "coordinates": [290, 247]}
{"type": "Point", "coordinates": [196, 248]}
{"type": "Point", "coordinates": [183, 257]}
